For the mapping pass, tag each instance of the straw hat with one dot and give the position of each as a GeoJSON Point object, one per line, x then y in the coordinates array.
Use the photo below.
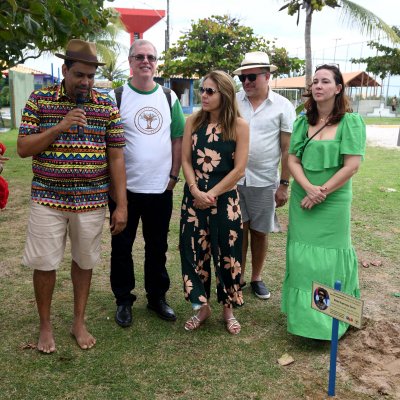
{"type": "Point", "coordinates": [79, 50]}
{"type": "Point", "coordinates": [255, 59]}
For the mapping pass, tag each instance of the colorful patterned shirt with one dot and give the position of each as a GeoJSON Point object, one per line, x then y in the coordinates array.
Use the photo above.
{"type": "Point", "coordinates": [72, 173]}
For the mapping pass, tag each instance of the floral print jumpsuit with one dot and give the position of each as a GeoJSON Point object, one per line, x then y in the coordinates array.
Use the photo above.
{"type": "Point", "coordinates": [217, 231]}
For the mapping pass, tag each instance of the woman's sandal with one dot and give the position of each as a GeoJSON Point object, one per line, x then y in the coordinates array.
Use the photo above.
{"type": "Point", "coordinates": [232, 326]}
{"type": "Point", "coordinates": [193, 323]}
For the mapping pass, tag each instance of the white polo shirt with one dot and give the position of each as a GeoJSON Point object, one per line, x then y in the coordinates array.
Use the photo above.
{"type": "Point", "coordinates": [275, 115]}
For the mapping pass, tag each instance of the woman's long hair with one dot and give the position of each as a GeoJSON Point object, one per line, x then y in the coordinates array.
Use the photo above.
{"type": "Point", "coordinates": [341, 105]}
{"type": "Point", "coordinates": [228, 112]}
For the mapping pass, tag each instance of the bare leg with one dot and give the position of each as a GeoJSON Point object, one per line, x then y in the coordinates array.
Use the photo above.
{"type": "Point", "coordinates": [259, 246]}
{"type": "Point", "coordinates": [204, 312]}
{"type": "Point", "coordinates": [43, 283]}
{"type": "Point", "coordinates": [245, 246]}
{"type": "Point", "coordinates": [81, 279]}
{"type": "Point", "coordinates": [232, 325]}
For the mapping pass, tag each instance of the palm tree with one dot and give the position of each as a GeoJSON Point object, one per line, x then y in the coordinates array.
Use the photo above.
{"type": "Point", "coordinates": [111, 71]}
{"type": "Point", "coordinates": [109, 48]}
{"type": "Point", "coordinates": [365, 20]}
{"type": "Point", "coordinates": [107, 43]}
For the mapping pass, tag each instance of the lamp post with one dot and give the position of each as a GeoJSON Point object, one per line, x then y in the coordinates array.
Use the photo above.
{"type": "Point", "coordinates": [167, 29]}
{"type": "Point", "coordinates": [166, 44]}
{"type": "Point", "coordinates": [334, 54]}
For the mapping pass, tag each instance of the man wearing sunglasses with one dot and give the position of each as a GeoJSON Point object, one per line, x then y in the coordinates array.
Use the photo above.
{"type": "Point", "coordinates": [153, 131]}
{"type": "Point", "coordinates": [271, 118]}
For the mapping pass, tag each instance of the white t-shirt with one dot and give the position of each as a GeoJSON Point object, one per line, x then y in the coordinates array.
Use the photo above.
{"type": "Point", "coordinates": [275, 115]}
{"type": "Point", "coordinates": [146, 117]}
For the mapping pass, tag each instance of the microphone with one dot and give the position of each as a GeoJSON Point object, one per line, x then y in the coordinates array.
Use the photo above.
{"type": "Point", "coordinates": [80, 100]}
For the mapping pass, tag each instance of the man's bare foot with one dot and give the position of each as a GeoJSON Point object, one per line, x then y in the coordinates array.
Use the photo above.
{"type": "Point", "coordinates": [46, 343]}
{"type": "Point", "coordinates": [84, 339]}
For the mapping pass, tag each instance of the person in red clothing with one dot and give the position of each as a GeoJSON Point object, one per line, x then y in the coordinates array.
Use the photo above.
{"type": "Point", "coordinates": [3, 183]}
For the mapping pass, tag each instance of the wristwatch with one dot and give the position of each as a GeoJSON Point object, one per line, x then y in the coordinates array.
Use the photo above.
{"type": "Point", "coordinates": [284, 182]}
{"type": "Point", "coordinates": [175, 178]}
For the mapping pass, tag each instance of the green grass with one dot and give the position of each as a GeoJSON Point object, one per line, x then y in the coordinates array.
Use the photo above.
{"type": "Point", "coordinates": [381, 121]}
{"type": "Point", "coordinates": [375, 210]}
{"type": "Point", "coordinates": [155, 359]}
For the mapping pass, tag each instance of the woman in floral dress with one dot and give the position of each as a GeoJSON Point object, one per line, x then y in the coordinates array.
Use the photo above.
{"type": "Point", "coordinates": [214, 157]}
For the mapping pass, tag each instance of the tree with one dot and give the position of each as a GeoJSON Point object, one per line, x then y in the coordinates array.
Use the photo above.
{"type": "Point", "coordinates": [4, 92]}
{"type": "Point", "coordinates": [355, 14]}
{"type": "Point", "coordinates": [111, 71]}
{"type": "Point", "coordinates": [384, 64]}
{"type": "Point", "coordinates": [107, 44]}
{"type": "Point", "coordinates": [218, 42]}
{"type": "Point", "coordinates": [28, 28]}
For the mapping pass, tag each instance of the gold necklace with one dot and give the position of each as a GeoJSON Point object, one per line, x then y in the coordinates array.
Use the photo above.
{"type": "Point", "coordinates": [325, 119]}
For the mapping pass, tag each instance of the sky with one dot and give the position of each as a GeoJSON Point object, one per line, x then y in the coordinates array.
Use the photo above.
{"type": "Point", "coordinates": [332, 40]}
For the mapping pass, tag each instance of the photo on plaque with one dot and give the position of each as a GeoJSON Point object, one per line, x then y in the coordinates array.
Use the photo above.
{"type": "Point", "coordinates": [321, 298]}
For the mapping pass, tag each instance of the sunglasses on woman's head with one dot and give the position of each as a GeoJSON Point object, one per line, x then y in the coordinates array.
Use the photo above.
{"type": "Point", "coordinates": [327, 66]}
{"type": "Point", "coordinates": [208, 90]}
{"type": "Point", "coordinates": [250, 77]}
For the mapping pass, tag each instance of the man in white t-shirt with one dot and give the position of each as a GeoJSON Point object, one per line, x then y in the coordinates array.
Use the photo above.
{"type": "Point", "coordinates": [153, 126]}
{"type": "Point", "coordinates": [271, 118]}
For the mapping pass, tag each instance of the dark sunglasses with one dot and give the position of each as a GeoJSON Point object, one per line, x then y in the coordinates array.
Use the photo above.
{"type": "Point", "coordinates": [250, 77]}
{"type": "Point", "coordinates": [141, 57]}
{"type": "Point", "coordinates": [208, 90]}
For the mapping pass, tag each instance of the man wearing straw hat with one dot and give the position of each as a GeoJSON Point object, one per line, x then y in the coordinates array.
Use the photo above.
{"type": "Point", "coordinates": [75, 138]}
{"type": "Point", "coordinates": [271, 118]}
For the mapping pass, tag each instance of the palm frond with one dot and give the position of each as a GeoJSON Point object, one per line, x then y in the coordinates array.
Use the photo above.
{"type": "Point", "coordinates": [366, 21]}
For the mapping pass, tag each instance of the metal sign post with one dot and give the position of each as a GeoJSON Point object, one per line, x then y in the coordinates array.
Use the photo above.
{"type": "Point", "coordinates": [341, 307]}
{"type": "Point", "coordinates": [334, 348]}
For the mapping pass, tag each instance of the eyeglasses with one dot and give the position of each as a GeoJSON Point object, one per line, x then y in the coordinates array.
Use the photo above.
{"type": "Point", "coordinates": [208, 90]}
{"type": "Point", "coordinates": [327, 66]}
{"type": "Point", "coordinates": [250, 77]}
{"type": "Point", "coordinates": [141, 57]}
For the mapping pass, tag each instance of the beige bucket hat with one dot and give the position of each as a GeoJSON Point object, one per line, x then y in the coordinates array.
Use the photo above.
{"type": "Point", "coordinates": [255, 59]}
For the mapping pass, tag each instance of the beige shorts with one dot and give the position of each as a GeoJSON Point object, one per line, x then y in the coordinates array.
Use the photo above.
{"type": "Point", "coordinates": [47, 237]}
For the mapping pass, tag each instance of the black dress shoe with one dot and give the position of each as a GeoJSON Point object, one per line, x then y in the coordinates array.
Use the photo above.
{"type": "Point", "coordinates": [123, 315]}
{"type": "Point", "coordinates": [162, 309]}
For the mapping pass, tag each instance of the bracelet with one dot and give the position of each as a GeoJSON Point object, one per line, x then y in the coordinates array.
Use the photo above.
{"type": "Point", "coordinates": [175, 178]}
{"type": "Point", "coordinates": [191, 185]}
{"type": "Point", "coordinates": [284, 182]}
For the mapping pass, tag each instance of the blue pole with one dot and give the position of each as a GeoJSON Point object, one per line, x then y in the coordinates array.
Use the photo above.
{"type": "Point", "coordinates": [334, 347]}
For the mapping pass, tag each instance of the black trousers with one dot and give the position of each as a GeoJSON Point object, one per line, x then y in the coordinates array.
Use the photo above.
{"type": "Point", "coordinates": [155, 212]}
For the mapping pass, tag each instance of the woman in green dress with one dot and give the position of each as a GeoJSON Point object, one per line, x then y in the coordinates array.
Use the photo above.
{"type": "Point", "coordinates": [214, 156]}
{"type": "Point", "coordinates": [326, 149]}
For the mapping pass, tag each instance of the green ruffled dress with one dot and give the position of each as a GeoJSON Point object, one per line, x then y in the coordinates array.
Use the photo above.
{"type": "Point", "coordinates": [319, 244]}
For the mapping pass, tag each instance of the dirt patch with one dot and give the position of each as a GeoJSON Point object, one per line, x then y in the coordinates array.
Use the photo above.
{"type": "Point", "coordinates": [371, 357]}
